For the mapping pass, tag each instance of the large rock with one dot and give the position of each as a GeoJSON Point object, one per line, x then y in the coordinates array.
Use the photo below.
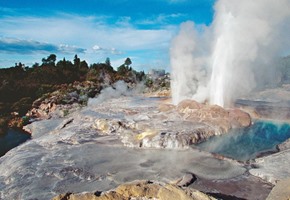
{"type": "Point", "coordinates": [173, 127]}
{"type": "Point", "coordinates": [141, 190]}
{"type": "Point", "coordinates": [214, 115]}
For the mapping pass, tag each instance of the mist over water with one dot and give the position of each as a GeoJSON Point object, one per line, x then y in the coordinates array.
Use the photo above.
{"type": "Point", "coordinates": [237, 53]}
{"type": "Point", "coordinates": [245, 144]}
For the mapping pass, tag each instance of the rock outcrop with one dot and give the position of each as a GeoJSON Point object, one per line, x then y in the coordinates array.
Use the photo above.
{"type": "Point", "coordinates": [213, 114]}
{"type": "Point", "coordinates": [63, 101]}
{"type": "Point", "coordinates": [141, 190]}
{"type": "Point", "coordinates": [174, 127]}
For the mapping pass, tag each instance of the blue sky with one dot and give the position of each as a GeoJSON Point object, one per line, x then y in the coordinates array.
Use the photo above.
{"type": "Point", "coordinates": [95, 29]}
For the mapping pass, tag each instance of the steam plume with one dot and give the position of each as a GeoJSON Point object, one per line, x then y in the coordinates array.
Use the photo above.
{"type": "Point", "coordinates": [232, 56]}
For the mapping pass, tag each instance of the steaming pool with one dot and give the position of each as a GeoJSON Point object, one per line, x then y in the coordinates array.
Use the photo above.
{"type": "Point", "coordinates": [248, 143]}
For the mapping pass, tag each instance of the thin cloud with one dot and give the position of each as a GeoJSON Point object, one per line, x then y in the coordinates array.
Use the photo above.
{"type": "Point", "coordinates": [64, 33]}
{"type": "Point", "coordinates": [83, 31]}
{"type": "Point", "coordinates": [101, 50]}
{"type": "Point", "coordinates": [67, 49]}
{"type": "Point", "coordinates": [11, 45]}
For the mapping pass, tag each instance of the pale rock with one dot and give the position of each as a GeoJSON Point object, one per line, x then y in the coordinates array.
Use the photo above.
{"type": "Point", "coordinates": [166, 107]}
{"type": "Point", "coordinates": [186, 180]}
{"type": "Point", "coordinates": [108, 127]}
{"type": "Point", "coordinates": [102, 125]}
{"type": "Point", "coordinates": [239, 118]}
{"type": "Point", "coordinates": [273, 168]}
{"type": "Point", "coordinates": [147, 133]}
{"type": "Point", "coordinates": [188, 104]}
{"type": "Point", "coordinates": [281, 191]}
{"type": "Point", "coordinates": [141, 190]}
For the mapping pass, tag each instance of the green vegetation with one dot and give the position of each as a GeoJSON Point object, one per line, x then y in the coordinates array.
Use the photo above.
{"type": "Point", "coordinates": [20, 86]}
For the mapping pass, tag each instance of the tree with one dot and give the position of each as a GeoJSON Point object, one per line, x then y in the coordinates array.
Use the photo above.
{"type": "Point", "coordinates": [128, 62]}
{"type": "Point", "coordinates": [122, 70]}
{"type": "Point", "coordinates": [108, 62]}
{"type": "Point", "coordinates": [77, 61]}
{"type": "Point", "coordinates": [50, 60]}
{"type": "Point", "coordinates": [35, 65]}
{"type": "Point", "coordinates": [19, 66]}
{"type": "Point", "coordinates": [84, 66]}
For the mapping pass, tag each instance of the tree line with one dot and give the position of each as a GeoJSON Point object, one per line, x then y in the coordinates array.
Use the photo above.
{"type": "Point", "coordinates": [30, 83]}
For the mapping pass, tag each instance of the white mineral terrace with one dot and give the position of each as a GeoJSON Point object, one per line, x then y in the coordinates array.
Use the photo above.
{"type": "Point", "coordinates": [95, 148]}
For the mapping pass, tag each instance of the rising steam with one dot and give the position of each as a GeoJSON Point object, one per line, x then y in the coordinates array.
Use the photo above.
{"type": "Point", "coordinates": [232, 56]}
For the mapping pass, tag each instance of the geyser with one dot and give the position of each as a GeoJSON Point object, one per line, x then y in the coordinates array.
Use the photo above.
{"type": "Point", "coordinates": [234, 55]}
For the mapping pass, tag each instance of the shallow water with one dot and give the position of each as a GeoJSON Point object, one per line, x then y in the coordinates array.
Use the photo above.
{"type": "Point", "coordinates": [245, 144]}
{"type": "Point", "coordinates": [12, 139]}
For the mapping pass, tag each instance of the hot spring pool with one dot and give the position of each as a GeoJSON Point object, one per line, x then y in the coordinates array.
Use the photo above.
{"type": "Point", "coordinates": [245, 144]}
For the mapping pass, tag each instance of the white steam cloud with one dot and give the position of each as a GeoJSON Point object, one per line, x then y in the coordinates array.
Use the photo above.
{"type": "Point", "coordinates": [118, 89]}
{"type": "Point", "coordinates": [232, 56]}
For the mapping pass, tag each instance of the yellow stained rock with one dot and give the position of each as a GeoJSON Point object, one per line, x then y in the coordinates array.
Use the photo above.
{"type": "Point", "coordinates": [142, 190]}
{"type": "Point", "coordinates": [147, 133]}
{"type": "Point", "coordinates": [102, 125]}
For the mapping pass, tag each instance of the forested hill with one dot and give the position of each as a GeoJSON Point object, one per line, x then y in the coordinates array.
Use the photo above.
{"type": "Point", "coordinates": [21, 85]}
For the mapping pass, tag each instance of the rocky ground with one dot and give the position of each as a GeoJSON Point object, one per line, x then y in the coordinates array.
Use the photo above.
{"type": "Point", "coordinates": [272, 103]}
{"type": "Point", "coordinates": [141, 190]}
{"type": "Point", "coordinates": [66, 98]}
{"type": "Point", "coordinates": [120, 137]}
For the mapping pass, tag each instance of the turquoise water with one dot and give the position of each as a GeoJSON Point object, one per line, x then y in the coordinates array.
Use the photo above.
{"type": "Point", "coordinates": [12, 139]}
{"type": "Point", "coordinates": [247, 143]}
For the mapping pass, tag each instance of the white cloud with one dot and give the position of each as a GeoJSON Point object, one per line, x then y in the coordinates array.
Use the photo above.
{"type": "Point", "coordinates": [97, 48]}
{"type": "Point", "coordinates": [83, 31]}
{"type": "Point", "coordinates": [102, 50]}
{"type": "Point", "coordinates": [91, 33]}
